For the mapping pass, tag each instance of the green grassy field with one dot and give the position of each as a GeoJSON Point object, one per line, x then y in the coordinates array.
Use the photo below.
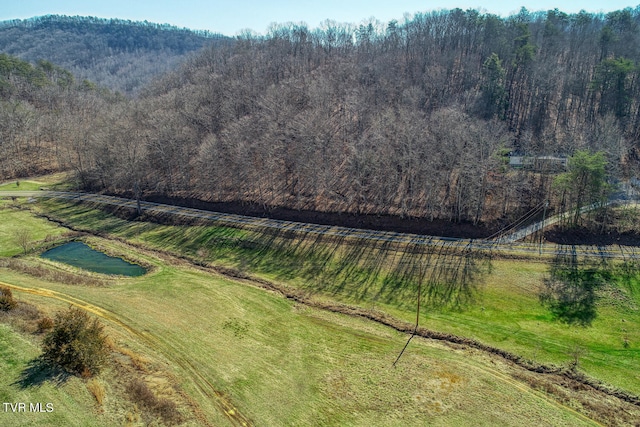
{"type": "Point", "coordinates": [71, 404]}
{"type": "Point", "coordinates": [13, 221]}
{"type": "Point", "coordinates": [499, 304]}
{"type": "Point", "coordinates": [56, 181]}
{"type": "Point", "coordinates": [282, 363]}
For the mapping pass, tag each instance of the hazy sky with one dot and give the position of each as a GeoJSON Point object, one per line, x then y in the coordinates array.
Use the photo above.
{"type": "Point", "coordinates": [231, 16]}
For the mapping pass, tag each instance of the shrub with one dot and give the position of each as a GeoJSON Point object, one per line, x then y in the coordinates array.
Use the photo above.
{"type": "Point", "coordinates": [168, 411]}
{"type": "Point", "coordinates": [76, 343]}
{"type": "Point", "coordinates": [141, 394]}
{"type": "Point", "coordinates": [164, 408]}
{"type": "Point", "coordinates": [45, 324]}
{"type": "Point", "coordinates": [6, 299]}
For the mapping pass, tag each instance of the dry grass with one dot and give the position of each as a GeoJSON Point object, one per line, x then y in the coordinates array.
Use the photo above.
{"type": "Point", "coordinates": [132, 419]}
{"type": "Point", "coordinates": [97, 390]}
{"type": "Point", "coordinates": [50, 274]}
{"type": "Point", "coordinates": [601, 408]}
{"type": "Point", "coordinates": [24, 317]}
{"type": "Point", "coordinates": [45, 324]}
{"type": "Point", "coordinates": [164, 408]}
{"type": "Point", "coordinates": [138, 361]}
{"type": "Point", "coordinates": [7, 302]}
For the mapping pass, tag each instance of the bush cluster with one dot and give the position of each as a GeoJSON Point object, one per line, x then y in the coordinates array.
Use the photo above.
{"type": "Point", "coordinates": [164, 408]}
{"type": "Point", "coordinates": [6, 299]}
{"type": "Point", "coordinates": [76, 343]}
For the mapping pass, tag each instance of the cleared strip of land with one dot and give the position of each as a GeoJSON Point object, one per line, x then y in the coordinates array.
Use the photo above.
{"type": "Point", "coordinates": [508, 246]}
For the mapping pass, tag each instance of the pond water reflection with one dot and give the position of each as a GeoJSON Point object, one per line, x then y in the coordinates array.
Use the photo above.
{"type": "Point", "coordinates": [82, 256]}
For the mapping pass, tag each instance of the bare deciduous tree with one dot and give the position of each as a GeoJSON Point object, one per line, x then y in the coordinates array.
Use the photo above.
{"type": "Point", "coordinates": [23, 238]}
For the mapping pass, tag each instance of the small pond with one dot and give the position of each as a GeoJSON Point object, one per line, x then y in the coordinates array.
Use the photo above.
{"type": "Point", "coordinates": [82, 256]}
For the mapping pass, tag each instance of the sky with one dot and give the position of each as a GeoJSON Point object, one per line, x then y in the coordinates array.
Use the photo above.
{"type": "Point", "coordinates": [230, 17]}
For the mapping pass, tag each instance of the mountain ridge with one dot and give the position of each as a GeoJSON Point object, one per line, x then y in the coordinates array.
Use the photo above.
{"type": "Point", "coordinates": [119, 54]}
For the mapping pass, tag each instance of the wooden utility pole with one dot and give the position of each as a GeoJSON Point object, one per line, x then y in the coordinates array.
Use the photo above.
{"type": "Point", "coordinates": [415, 329]}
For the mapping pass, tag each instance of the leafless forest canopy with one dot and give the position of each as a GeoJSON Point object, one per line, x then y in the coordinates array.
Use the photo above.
{"type": "Point", "coordinates": [122, 55]}
{"type": "Point", "coordinates": [410, 119]}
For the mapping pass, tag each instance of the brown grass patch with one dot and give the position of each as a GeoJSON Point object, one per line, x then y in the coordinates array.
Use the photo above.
{"type": "Point", "coordinates": [142, 395]}
{"type": "Point", "coordinates": [604, 408]}
{"type": "Point", "coordinates": [50, 274]}
{"type": "Point", "coordinates": [7, 302]}
{"type": "Point", "coordinates": [24, 317]}
{"type": "Point", "coordinates": [97, 390]}
{"type": "Point", "coordinates": [45, 324]}
{"type": "Point", "coordinates": [139, 362]}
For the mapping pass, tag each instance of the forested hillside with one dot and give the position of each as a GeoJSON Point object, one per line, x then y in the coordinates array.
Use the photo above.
{"type": "Point", "coordinates": [410, 119]}
{"type": "Point", "coordinates": [407, 119]}
{"type": "Point", "coordinates": [122, 55]}
{"type": "Point", "coordinates": [45, 116]}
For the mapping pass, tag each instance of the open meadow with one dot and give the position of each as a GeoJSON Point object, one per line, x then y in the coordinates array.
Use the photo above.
{"type": "Point", "coordinates": [425, 218]}
{"type": "Point", "coordinates": [203, 330]}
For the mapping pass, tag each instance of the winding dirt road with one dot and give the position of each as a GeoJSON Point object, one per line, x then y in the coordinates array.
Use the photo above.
{"type": "Point", "coordinates": [156, 343]}
{"type": "Point", "coordinates": [222, 402]}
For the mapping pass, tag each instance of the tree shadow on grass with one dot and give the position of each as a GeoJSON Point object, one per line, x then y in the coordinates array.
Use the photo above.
{"type": "Point", "coordinates": [38, 372]}
{"type": "Point", "coordinates": [369, 269]}
{"type": "Point", "coordinates": [450, 275]}
{"type": "Point", "coordinates": [570, 290]}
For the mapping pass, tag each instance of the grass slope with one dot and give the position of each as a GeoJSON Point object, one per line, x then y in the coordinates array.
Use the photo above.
{"type": "Point", "coordinates": [499, 304]}
{"type": "Point", "coordinates": [72, 404]}
{"type": "Point", "coordinates": [56, 181]}
{"type": "Point", "coordinates": [277, 362]}
{"type": "Point", "coordinates": [284, 364]}
{"type": "Point", "coordinates": [14, 220]}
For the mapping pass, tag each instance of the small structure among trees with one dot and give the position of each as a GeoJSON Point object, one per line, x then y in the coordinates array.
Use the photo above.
{"type": "Point", "coordinates": [546, 163]}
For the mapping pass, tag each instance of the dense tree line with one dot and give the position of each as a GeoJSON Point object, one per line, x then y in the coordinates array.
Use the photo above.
{"type": "Point", "coordinates": [407, 119]}
{"type": "Point", "coordinates": [411, 118]}
{"type": "Point", "coordinates": [120, 54]}
{"type": "Point", "coordinates": [45, 116]}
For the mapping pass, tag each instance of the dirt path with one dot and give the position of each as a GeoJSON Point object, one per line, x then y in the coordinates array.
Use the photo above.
{"type": "Point", "coordinates": [204, 386]}
{"type": "Point", "coordinates": [207, 389]}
